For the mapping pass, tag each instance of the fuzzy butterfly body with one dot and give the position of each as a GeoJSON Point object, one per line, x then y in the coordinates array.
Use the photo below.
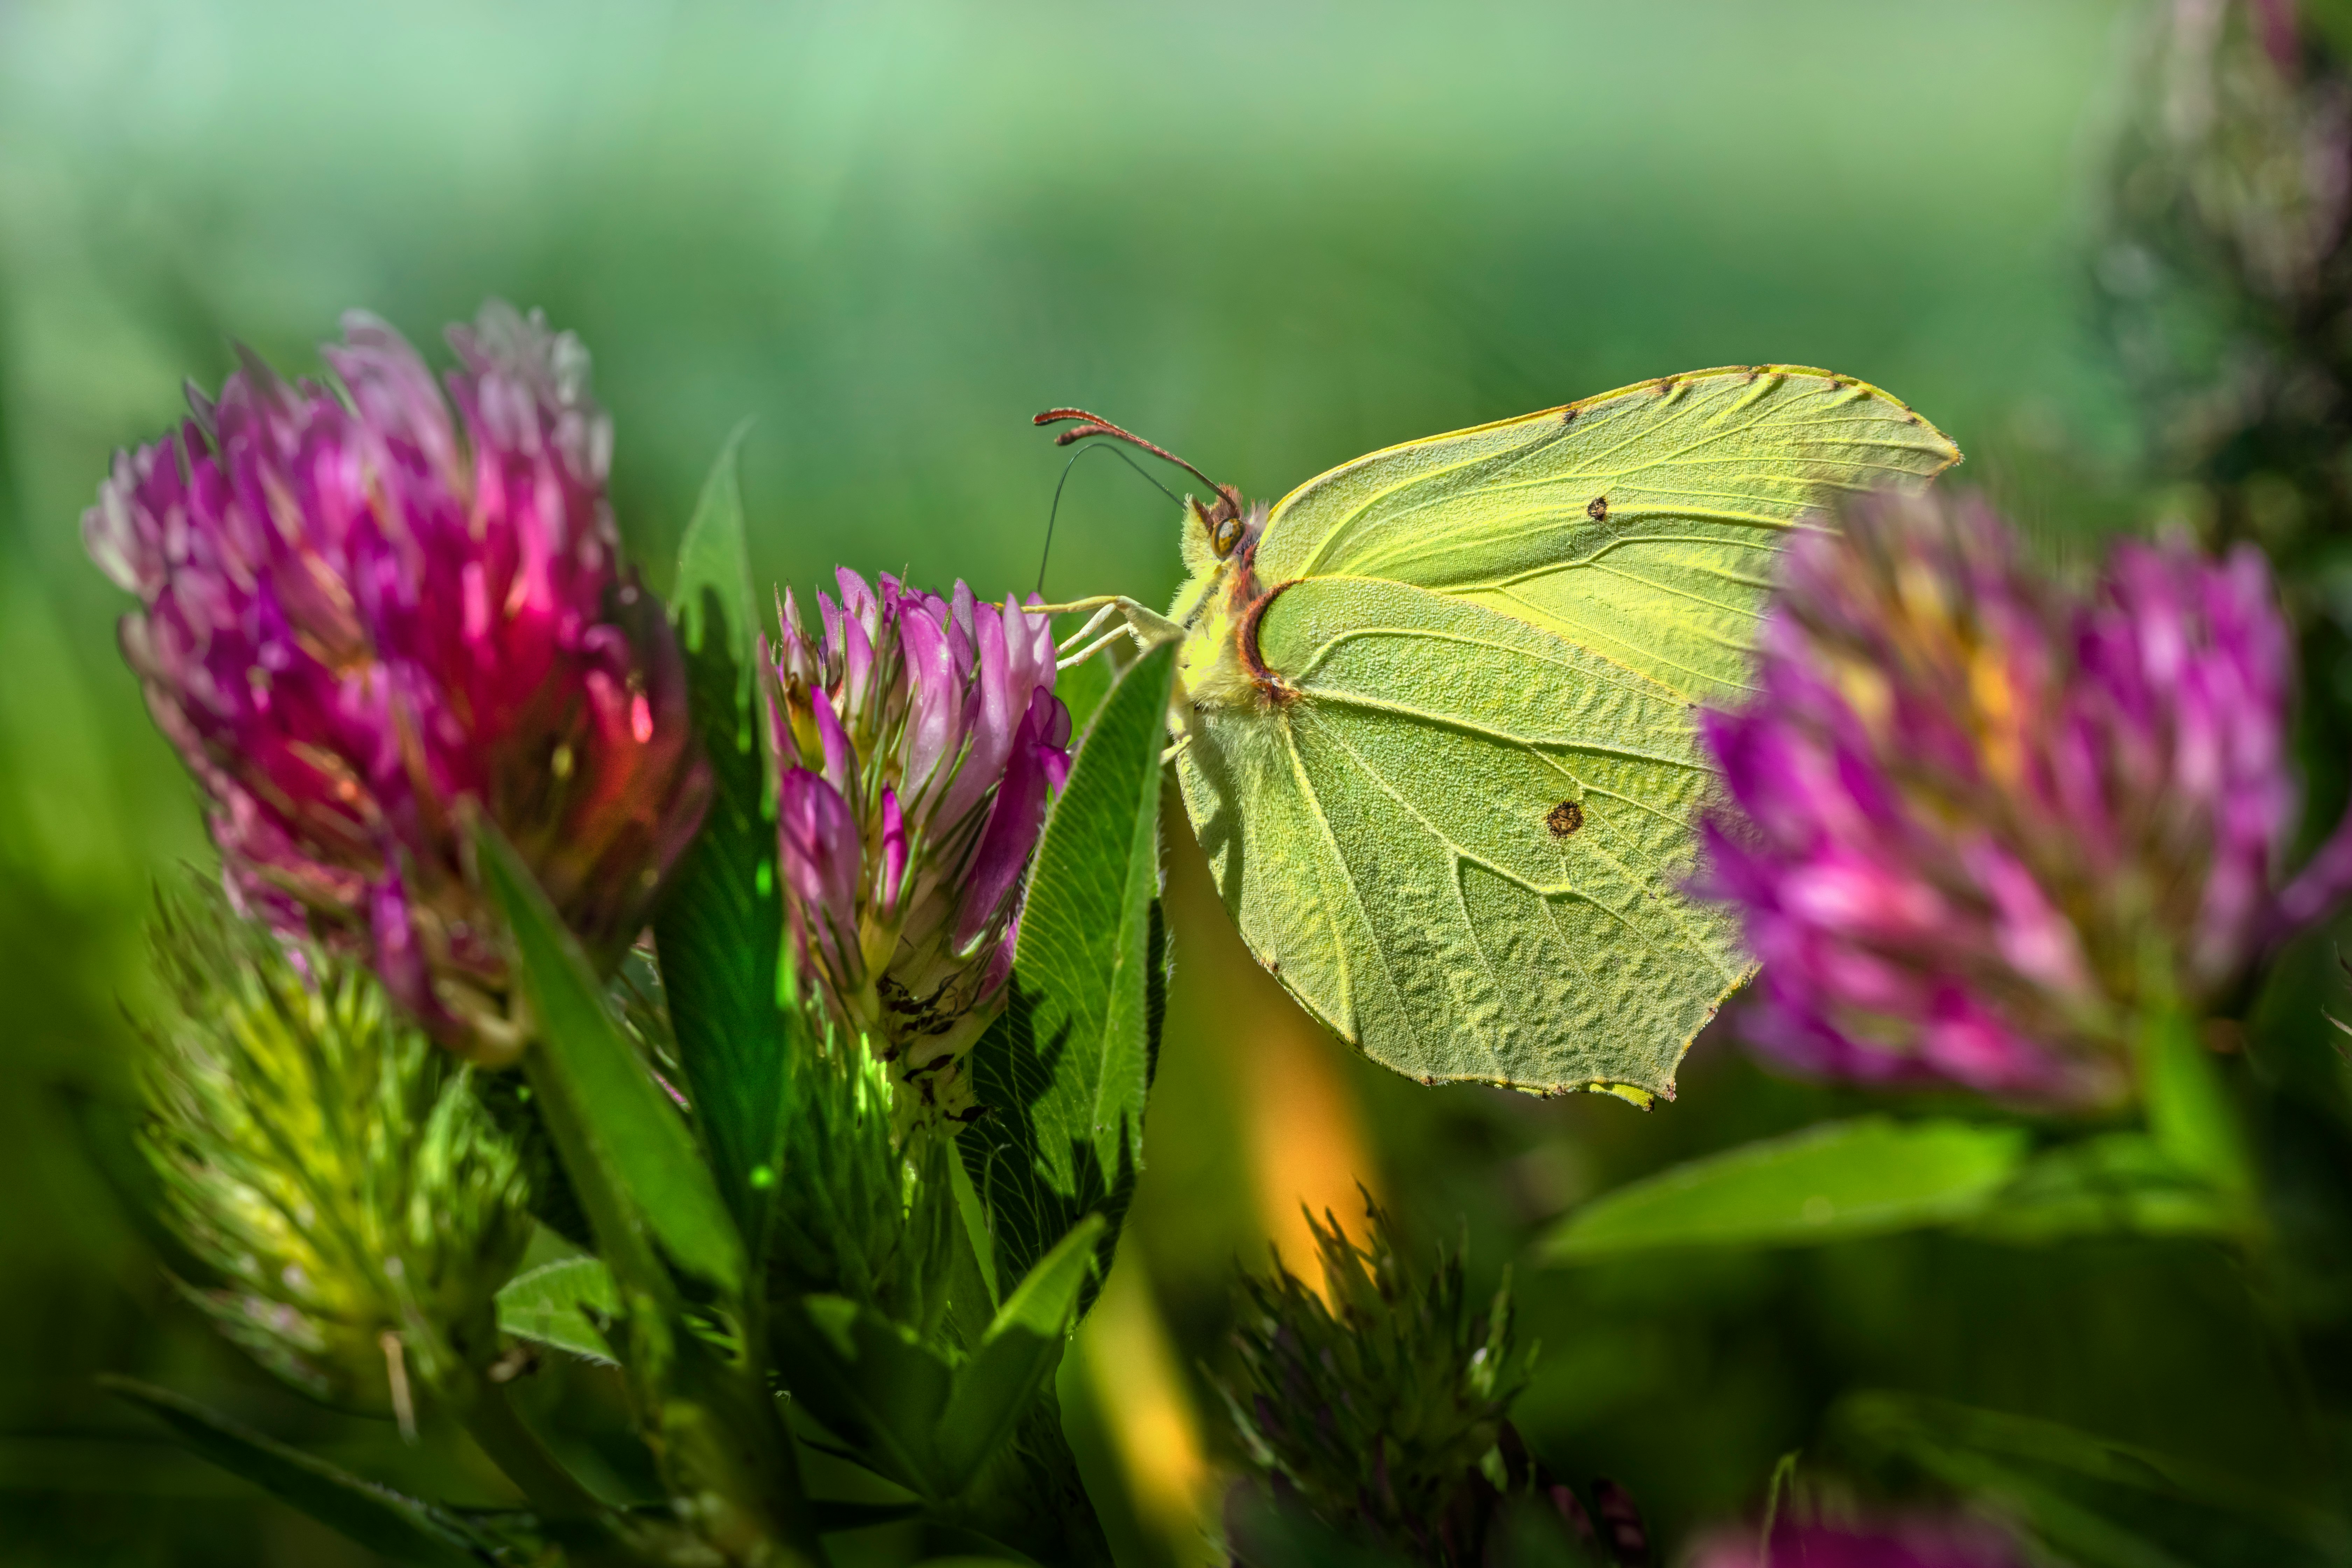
{"type": "Point", "coordinates": [1436, 714]}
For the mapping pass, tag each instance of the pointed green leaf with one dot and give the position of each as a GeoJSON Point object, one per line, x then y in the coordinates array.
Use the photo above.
{"type": "Point", "coordinates": [714, 569]}
{"type": "Point", "coordinates": [608, 1107]}
{"type": "Point", "coordinates": [1831, 1183]}
{"type": "Point", "coordinates": [872, 1384]}
{"type": "Point", "coordinates": [561, 1304]}
{"type": "Point", "coordinates": [401, 1528]}
{"type": "Point", "coordinates": [1017, 1357]}
{"type": "Point", "coordinates": [1064, 1074]}
{"type": "Point", "coordinates": [1042, 1302]}
{"type": "Point", "coordinates": [720, 929]}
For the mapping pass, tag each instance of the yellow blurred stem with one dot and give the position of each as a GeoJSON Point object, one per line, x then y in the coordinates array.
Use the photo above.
{"type": "Point", "coordinates": [1132, 1370]}
{"type": "Point", "coordinates": [1293, 1110]}
{"type": "Point", "coordinates": [1306, 1147]}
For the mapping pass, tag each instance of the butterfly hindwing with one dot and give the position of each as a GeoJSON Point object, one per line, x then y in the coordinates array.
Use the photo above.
{"type": "Point", "coordinates": [1503, 818]}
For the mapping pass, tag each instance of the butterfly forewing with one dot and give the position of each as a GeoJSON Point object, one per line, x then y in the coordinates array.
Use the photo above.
{"type": "Point", "coordinates": [1640, 525]}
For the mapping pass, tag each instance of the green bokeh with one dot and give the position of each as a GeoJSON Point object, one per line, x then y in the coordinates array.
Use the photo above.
{"type": "Point", "coordinates": [1274, 236]}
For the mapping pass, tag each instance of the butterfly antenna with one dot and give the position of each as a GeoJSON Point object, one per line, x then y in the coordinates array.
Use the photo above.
{"type": "Point", "coordinates": [1095, 425]}
{"type": "Point", "coordinates": [1229, 499]}
{"type": "Point", "coordinates": [1047, 553]}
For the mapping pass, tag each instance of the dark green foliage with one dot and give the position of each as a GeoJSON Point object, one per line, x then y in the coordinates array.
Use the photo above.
{"type": "Point", "coordinates": [2097, 1503]}
{"type": "Point", "coordinates": [2225, 272]}
{"type": "Point", "coordinates": [721, 926]}
{"type": "Point", "coordinates": [1378, 1407]}
{"type": "Point", "coordinates": [1062, 1076]}
{"type": "Point", "coordinates": [402, 1528]}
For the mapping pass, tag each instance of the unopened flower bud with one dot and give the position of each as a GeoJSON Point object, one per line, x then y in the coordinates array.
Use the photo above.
{"type": "Point", "coordinates": [920, 739]}
{"type": "Point", "coordinates": [328, 1162]}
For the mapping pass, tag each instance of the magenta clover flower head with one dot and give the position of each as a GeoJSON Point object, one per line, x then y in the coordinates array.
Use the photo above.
{"type": "Point", "coordinates": [1984, 826]}
{"type": "Point", "coordinates": [1923, 1540]}
{"type": "Point", "coordinates": [362, 621]}
{"type": "Point", "coordinates": [919, 739]}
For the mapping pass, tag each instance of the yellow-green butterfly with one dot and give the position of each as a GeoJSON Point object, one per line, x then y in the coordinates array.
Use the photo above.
{"type": "Point", "coordinates": [1434, 711]}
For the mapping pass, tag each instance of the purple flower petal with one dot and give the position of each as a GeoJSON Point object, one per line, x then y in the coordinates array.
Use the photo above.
{"type": "Point", "coordinates": [1967, 806]}
{"type": "Point", "coordinates": [942, 708]}
{"type": "Point", "coordinates": [362, 620]}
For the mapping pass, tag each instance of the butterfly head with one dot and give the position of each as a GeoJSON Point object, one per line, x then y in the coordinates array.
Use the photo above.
{"type": "Point", "coordinates": [1214, 532]}
{"type": "Point", "coordinates": [1224, 529]}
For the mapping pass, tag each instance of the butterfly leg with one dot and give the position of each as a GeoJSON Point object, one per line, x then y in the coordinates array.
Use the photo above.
{"type": "Point", "coordinates": [1094, 623]}
{"type": "Point", "coordinates": [1092, 648]}
{"type": "Point", "coordinates": [1148, 627]}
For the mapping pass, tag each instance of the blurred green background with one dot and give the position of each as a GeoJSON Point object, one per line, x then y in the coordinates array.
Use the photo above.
{"type": "Point", "coordinates": [1273, 235]}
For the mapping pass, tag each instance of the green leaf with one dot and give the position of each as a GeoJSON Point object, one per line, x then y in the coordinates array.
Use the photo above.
{"type": "Point", "coordinates": [2093, 1502]}
{"type": "Point", "coordinates": [1017, 1356]}
{"type": "Point", "coordinates": [714, 569]}
{"type": "Point", "coordinates": [2118, 1184]}
{"type": "Point", "coordinates": [872, 1382]}
{"type": "Point", "coordinates": [562, 1304]}
{"type": "Point", "coordinates": [719, 929]}
{"type": "Point", "coordinates": [401, 1528]}
{"type": "Point", "coordinates": [1831, 1183]}
{"type": "Point", "coordinates": [607, 1112]}
{"type": "Point", "coordinates": [1064, 1073]}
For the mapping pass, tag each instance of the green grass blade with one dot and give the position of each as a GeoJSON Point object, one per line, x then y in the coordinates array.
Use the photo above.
{"type": "Point", "coordinates": [871, 1382]}
{"type": "Point", "coordinates": [636, 1144]}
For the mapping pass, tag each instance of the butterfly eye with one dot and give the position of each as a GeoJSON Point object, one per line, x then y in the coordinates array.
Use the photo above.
{"type": "Point", "coordinates": [1227, 535]}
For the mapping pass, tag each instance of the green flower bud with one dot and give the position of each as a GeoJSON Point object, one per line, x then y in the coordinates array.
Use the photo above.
{"type": "Point", "coordinates": [863, 1210]}
{"type": "Point", "coordinates": [333, 1168]}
